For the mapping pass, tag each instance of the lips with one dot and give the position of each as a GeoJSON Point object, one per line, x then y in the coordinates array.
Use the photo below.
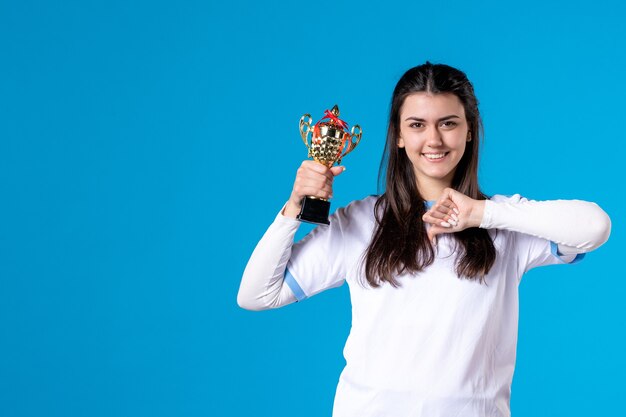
{"type": "Point", "coordinates": [435, 157]}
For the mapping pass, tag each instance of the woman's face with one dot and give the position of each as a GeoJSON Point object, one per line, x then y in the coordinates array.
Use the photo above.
{"type": "Point", "coordinates": [433, 132]}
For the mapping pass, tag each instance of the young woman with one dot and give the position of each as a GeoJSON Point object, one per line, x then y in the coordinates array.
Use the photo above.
{"type": "Point", "coordinates": [433, 264]}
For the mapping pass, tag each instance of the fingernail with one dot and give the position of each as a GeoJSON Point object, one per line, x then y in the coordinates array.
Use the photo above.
{"type": "Point", "coordinates": [344, 168]}
{"type": "Point", "coordinates": [444, 224]}
{"type": "Point", "coordinates": [456, 211]}
{"type": "Point", "coordinates": [453, 222]}
{"type": "Point", "coordinates": [456, 219]}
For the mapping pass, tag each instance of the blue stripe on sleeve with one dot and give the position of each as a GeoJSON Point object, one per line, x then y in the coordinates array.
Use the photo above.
{"type": "Point", "coordinates": [295, 287]}
{"type": "Point", "coordinates": [555, 251]}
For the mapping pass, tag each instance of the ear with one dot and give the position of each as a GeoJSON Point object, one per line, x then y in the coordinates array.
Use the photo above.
{"type": "Point", "coordinates": [400, 142]}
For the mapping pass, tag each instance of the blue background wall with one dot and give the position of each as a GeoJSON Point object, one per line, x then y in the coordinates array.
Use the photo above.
{"type": "Point", "coordinates": [146, 146]}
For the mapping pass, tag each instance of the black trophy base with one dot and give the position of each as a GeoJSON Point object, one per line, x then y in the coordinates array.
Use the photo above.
{"type": "Point", "coordinates": [314, 211]}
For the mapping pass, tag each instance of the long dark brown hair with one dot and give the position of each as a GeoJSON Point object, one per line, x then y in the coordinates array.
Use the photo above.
{"type": "Point", "coordinates": [400, 243]}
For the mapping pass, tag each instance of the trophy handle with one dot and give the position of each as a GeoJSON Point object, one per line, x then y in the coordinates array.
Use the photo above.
{"type": "Point", "coordinates": [305, 129]}
{"type": "Point", "coordinates": [356, 132]}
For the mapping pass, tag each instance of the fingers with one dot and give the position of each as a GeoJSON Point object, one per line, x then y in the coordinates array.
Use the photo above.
{"type": "Point", "coordinates": [437, 219]}
{"type": "Point", "coordinates": [442, 214]}
{"type": "Point", "coordinates": [315, 180]}
{"type": "Point", "coordinates": [447, 205]}
{"type": "Point", "coordinates": [337, 170]}
{"type": "Point", "coordinates": [453, 212]}
{"type": "Point", "coordinates": [449, 197]}
{"type": "Point", "coordinates": [450, 214]}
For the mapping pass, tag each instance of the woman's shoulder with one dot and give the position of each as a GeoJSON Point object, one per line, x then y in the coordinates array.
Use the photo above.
{"type": "Point", "coordinates": [358, 208]}
{"type": "Point", "coordinates": [366, 203]}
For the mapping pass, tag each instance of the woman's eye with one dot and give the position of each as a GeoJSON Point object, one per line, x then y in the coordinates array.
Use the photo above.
{"type": "Point", "coordinates": [416, 124]}
{"type": "Point", "coordinates": [449, 124]}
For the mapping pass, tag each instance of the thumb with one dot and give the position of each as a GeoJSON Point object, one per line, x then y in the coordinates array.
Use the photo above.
{"type": "Point", "coordinates": [337, 170]}
{"type": "Point", "coordinates": [432, 235]}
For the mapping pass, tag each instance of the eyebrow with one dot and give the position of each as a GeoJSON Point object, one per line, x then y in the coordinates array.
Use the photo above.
{"type": "Point", "coordinates": [417, 119]}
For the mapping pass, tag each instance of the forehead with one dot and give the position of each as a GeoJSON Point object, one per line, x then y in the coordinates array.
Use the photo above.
{"type": "Point", "coordinates": [431, 106]}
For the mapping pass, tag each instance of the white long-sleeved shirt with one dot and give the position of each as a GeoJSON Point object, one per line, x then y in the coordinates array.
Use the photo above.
{"type": "Point", "coordinates": [438, 345]}
{"type": "Point", "coordinates": [576, 226]}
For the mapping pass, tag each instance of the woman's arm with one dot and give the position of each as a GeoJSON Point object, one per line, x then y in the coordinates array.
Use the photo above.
{"type": "Point", "coordinates": [576, 226]}
{"type": "Point", "coordinates": [263, 281]}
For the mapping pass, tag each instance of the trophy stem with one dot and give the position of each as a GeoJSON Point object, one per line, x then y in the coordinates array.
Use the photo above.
{"type": "Point", "coordinates": [314, 210]}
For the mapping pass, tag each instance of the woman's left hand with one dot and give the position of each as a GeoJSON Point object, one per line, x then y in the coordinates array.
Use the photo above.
{"type": "Point", "coordinates": [453, 212]}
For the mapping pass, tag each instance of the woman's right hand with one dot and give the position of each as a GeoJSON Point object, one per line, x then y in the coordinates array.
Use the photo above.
{"type": "Point", "coordinates": [312, 179]}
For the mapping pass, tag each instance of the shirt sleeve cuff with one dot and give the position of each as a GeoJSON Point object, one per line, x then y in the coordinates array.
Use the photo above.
{"type": "Point", "coordinates": [282, 219]}
{"type": "Point", "coordinates": [487, 215]}
{"type": "Point", "coordinates": [554, 248]}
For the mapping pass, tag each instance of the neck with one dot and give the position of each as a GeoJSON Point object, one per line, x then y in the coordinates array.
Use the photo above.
{"type": "Point", "coordinates": [431, 189]}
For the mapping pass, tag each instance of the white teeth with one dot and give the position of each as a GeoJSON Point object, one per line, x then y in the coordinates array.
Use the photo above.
{"type": "Point", "coordinates": [434, 155]}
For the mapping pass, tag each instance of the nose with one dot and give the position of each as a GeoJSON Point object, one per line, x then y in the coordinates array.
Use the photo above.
{"type": "Point", "coordinates": [434, 138]}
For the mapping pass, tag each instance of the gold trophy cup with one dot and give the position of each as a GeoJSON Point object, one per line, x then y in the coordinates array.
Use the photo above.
{"type": "Point", "coordinates": [330, 142]}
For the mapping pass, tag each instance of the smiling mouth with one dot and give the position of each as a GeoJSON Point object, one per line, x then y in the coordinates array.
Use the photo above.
{"type": "Point", "coordinates": [435, 156]}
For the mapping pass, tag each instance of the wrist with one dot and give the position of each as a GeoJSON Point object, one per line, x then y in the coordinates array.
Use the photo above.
{"type": "Point", "coordinates": [291, 209]}
{"type": "Point", "coordinates": [477, 213]}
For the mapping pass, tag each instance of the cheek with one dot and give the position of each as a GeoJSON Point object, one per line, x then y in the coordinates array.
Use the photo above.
{"type": "Point", "coordinates": [462, 150]}
{"type": "Point", "coordinates": [410, 142]}
{"type": "Point", "coordinates": [459, 141]}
